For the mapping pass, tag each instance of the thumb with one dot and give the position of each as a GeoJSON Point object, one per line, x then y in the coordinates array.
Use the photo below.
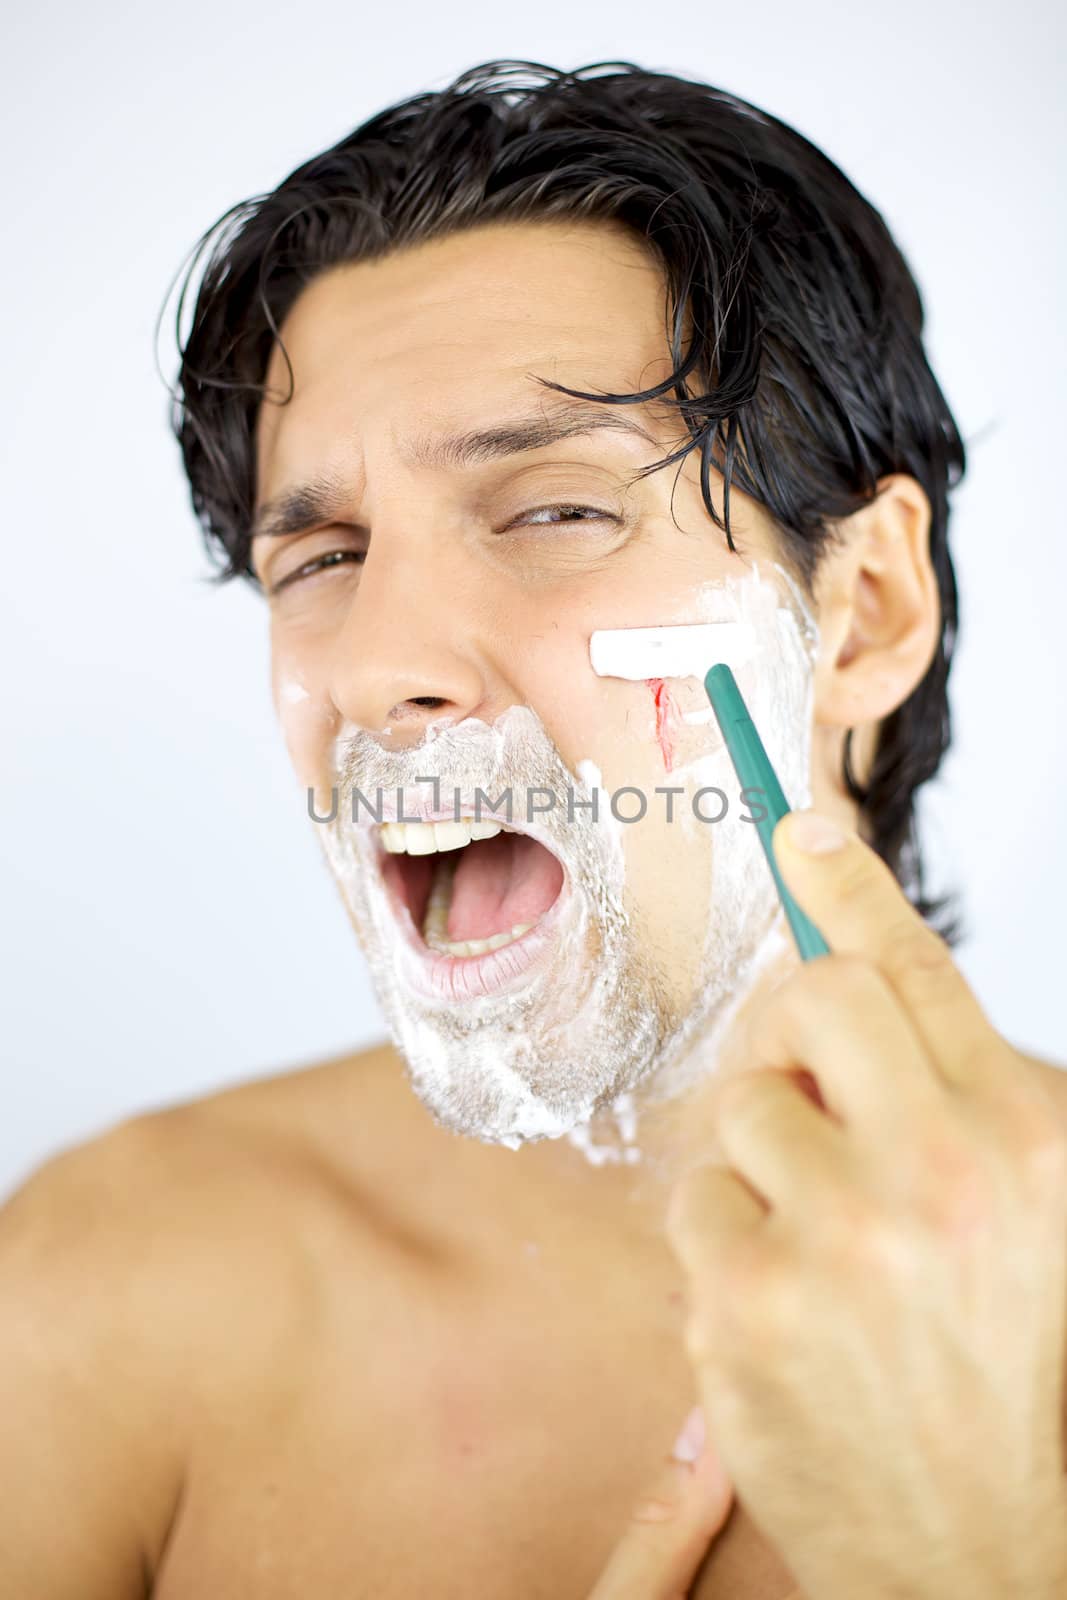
{"type": "Point", "coordinates": [672, 1525]}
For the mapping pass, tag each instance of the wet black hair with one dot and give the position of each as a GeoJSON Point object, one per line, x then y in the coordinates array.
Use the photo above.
{"type": "Point", "coordinates": [806, 320]}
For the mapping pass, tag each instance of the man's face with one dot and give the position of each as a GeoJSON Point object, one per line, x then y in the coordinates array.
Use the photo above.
{"type": "Point", "coordinates": [447, 636]}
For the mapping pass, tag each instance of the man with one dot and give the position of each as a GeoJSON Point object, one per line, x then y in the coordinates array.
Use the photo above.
{"type": "Point", "coordinates": [323, 1335]}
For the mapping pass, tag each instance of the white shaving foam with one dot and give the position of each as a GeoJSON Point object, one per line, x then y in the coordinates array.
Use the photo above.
{"type": "Point", "coordinates": [579, 1027]}
{"type": "Point", "coordinates": [578, 1044]}
{"type": "Point", "coordinates": [744, 926]}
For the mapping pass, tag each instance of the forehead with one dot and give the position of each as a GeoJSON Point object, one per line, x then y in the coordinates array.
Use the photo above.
{"type": "Point", "coordinates": [444, 332]}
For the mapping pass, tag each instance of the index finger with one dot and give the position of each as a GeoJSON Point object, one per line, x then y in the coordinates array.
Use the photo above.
{"type": "Point", "coordinates": [853, 898]}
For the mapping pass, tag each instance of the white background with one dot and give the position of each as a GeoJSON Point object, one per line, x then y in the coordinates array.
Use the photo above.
{"type": "Point", "coordinates": [168, 924]}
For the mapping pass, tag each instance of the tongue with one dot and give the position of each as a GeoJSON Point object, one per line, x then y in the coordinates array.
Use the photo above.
{"type": "Point", "coordinates": [499, 882]}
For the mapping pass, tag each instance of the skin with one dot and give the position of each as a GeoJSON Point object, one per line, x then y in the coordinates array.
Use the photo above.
{"type": "Point", "coordinates": [520, 597]}
{"type": "Point", "coordinates": [858, 1268]}
{"type": "Point", "coordinates": [252, 1342]}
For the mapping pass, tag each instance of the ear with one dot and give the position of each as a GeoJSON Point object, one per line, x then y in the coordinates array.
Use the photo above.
{"type": "Point", "coordinates": [879, 615]}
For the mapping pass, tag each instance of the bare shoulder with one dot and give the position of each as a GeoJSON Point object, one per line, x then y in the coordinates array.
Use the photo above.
{"type": "Point", "coordinates": [214, 1188]}
{"type": "Point", "coordinates": [164, 1165]}
{"type": "Point", "coordinates": [90, 1459]}
{"type": "Point", "coordinates": [167, 1257]}
{"type": "Point", "coordinates": [170, 1227]}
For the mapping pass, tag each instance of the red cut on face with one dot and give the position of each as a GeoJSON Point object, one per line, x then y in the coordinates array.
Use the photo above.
{"type": "Point", "coordinates": [662, 701]}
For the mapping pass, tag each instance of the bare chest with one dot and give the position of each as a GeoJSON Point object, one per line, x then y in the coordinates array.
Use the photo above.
{"type": "Point", "coordinates": [492, 1459]}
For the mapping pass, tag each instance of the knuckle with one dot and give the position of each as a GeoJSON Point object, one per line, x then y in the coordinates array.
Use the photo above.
{"type": "Point", "coordinates": [856, 882]}
{"type": "Point", "coordinates": [743, 1272]}
{"type": "Point", "coordinates": [665, 1504]}
{"type": "Point", "coordinates": [766, 1295]}
{"type": "Point", "coordinates": [746, 1103]}
{"type": "Point", "coordinates": [779, 1018]}
{"type": "Point", "coordinates": [830, 980]}
{"type": "Point", "coordinates": [707, 1327]}
{"type": "Point", "coordinates": [755, 1296]}
{"type": "Point", "coordinates": [952, 1191]}
{"type": "Point", "coordinates": [708, 1330]}
{"type": "Point", "coordinates": [917, 951]}
{"type": "Point", "coordinates": [800, 1002]}
{"type": "Point", "coordinates": [866, 1238]}
{"type": "Point", "coordinates": [781, 1306]}
{"type": "Point", "coordinates": [851, 978]}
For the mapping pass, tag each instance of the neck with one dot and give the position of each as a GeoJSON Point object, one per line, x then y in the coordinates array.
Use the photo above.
{"type": "Point", "coordinates": [618, 1170]}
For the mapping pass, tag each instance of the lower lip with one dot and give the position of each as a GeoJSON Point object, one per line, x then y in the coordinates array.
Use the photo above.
{"type": "Point", "coordinates": [458, 978]}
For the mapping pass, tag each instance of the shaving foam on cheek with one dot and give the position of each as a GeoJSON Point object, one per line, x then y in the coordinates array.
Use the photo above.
{"type": "Point", "coordinates": [531, 1061]}
{"type": "Point", "coordinates": [745, 932]}
{"type": "Point", "coordinates": [587, 1026]}
{"type": "Point", "coordinates": [762, 628]}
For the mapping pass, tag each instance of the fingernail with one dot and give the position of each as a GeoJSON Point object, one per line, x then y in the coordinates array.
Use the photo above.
{"type": "Point", "coordinates": [689, 1445]}
{"type": "Point", "coordinates": [814, 834]}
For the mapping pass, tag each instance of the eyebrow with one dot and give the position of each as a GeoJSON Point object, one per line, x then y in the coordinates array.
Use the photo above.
{"type": "Point", "coordinates": [321, 497]}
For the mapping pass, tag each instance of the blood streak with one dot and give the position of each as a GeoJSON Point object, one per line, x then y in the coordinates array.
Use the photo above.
{"type": "Point", "coordinates": [662, 702]}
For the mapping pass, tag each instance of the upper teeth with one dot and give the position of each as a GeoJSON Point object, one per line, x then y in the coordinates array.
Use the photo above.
{"type": "Point", "coordinates": [423, 838]}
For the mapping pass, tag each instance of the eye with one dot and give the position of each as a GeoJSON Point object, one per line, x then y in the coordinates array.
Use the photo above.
{"type": "Point", "coordinates": [331, 558]}
{"type": "Point", "coordinates": [567, 510]}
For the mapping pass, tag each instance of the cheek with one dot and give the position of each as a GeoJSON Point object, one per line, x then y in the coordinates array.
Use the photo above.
{"type": "Point", "coordinates": [669, 871]}
{"type": "Point", "coordinates": [627, 730]}
{"type": "Point", "coordinates": [665, 717]}
{"type": "Point", "coordinates": [641, 733]}
{"type": "Point", "coordinates": [309, 723]}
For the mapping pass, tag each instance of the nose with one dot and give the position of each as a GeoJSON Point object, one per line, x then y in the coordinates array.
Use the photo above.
{"type": "Point", "coordinates": [407, 654]}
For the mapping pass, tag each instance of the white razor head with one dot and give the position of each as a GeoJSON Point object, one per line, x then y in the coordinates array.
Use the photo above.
{"type": "Point", "coordinates": [681, 650]}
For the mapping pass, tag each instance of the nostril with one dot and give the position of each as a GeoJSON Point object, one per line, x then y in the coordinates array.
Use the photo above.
{"type": "Point", "coordinates": [426, 700]}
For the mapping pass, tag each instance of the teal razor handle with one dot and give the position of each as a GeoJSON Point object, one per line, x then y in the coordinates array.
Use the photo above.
{"type": "Point", "coordinates": [754, 772]}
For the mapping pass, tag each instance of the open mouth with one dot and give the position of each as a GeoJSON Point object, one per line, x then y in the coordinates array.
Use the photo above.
{"type": "Point", "coordinates": [470, 887]}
